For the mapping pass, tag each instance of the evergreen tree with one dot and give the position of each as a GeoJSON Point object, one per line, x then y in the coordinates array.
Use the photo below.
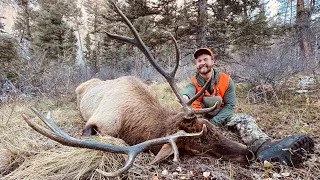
{"type": "Point", "coordinates": [186, 26]}
{"type": "Point", "coordinates": [95, 10]}
{"type": "Point", "coordinates": [218, 25]}
{"type": "Point", "coordinates": [70, 46]}
{"type": "Point", "coordinates": [149, 18]}
{"type": "Point", "coordinates": [24, 18]}
{"type": "Point", "coordinates": [288, 10]}
{"type": "Point", "coordinates": [10, 57]}
{"type": "Point", "coordinates": [252, 33]}
{"type": "Point", "coordinates": [51, 27]}
{"type": "Point", "coordinates": [231, 26]}
{"type": "Point", "coordinates": [87, 45]}
{"type": "Point", "coordinates": [296, 18]}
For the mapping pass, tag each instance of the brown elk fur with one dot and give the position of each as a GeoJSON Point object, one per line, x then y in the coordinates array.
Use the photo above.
{"type": "Point", "coordinates": [126, 109]}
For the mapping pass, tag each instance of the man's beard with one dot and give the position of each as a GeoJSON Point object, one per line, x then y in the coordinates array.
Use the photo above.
{"type": "Point", "coordinates": [204, 69]}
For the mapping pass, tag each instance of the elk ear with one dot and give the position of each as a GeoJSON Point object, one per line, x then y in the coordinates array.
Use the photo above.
{"type": "Point", "coordinates": [164, 153]}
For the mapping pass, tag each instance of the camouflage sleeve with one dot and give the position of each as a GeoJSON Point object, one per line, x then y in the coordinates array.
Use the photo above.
{"type": "Point", "coordinates": [229, 100]}
{"type": "Point", "coordinates": [189, 90]}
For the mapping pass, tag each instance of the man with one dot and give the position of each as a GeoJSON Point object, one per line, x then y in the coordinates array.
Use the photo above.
{"type": "Point", "coordinates": [291, 150]}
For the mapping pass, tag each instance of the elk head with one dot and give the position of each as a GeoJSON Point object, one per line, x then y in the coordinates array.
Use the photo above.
{"type": "Point", "coordinates": [210, 143]}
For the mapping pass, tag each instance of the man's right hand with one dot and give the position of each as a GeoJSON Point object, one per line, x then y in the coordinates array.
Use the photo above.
{"type": "Point", "coordinates": [185, 97]}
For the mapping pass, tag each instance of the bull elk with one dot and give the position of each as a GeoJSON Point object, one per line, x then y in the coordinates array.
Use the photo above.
{"type": "Point", "coordinates": [126, 109]}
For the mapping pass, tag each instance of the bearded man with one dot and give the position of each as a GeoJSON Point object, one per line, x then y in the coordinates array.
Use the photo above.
{"type": "Point", "coordinates": [291, 150]}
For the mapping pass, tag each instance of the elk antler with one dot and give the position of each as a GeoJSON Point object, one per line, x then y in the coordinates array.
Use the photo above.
{"type": "Point", "coordinates": [60, 136]}
{"type": "Point", "coordinates": [170, 77]}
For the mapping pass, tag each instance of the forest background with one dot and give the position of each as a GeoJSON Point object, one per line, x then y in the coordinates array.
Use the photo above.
{"type": "Point", "coordinates": [48, 47]}
{"type": "Point", "coordinates": [252, 42]}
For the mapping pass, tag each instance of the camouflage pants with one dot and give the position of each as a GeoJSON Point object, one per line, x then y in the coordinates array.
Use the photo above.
{"type": "Point", "coordinates": [249, 131]}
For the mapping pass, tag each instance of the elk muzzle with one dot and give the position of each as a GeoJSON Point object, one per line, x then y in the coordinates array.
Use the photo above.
{"type": "Point", "coordinates": [213, 143]}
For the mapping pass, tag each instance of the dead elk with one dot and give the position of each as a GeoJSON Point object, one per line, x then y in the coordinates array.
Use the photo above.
{"type": "Point", "coordinates": [126, 109]}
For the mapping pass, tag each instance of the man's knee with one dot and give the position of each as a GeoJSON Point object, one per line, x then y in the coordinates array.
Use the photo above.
{"type": "Point", "coordinates": [238, 118]}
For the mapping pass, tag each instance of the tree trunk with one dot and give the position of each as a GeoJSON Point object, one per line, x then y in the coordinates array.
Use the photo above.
{"type": "Point", "coordinates": [27, 12]}
{"type": "Point", "coordinates": [202, 20]}
{"type": "Point", "coordinates": [96, 59]}
{"type": "Point", "coordinates": [291, 5]}
{"type": "Point", "coordinates": [137, 62]}
{"type": "Point", "coordinates": [285, 14]}
{"type": "Point", "coordinates": [303, 28]}
{"type": "Point", "coordinates": [96, 49]}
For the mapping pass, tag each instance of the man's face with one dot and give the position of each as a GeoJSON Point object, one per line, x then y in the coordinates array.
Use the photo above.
{"type": "Point", "coordinates": [204, 63]}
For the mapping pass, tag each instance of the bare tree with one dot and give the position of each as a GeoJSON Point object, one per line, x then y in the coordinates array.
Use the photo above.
{"type": "Point", "coordinates": [202, 25]}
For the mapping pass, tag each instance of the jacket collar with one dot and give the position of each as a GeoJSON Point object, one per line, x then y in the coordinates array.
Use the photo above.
{"type": "Point", "coordinates": [201, 81]}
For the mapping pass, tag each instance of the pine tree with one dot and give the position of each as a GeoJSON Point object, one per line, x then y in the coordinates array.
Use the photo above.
{"type": "Point", "coordinates": [51, 27]}
{"type": "Point", "coordinates": [87, 45]}
{"type": "Point", "coordinates": [70, 46]}
{"type": "Point", "coordinates": [95, 10]}
{"type": "Point", "coordinates": [233, 24]}
{"type": "Point", "coordinates": [24, 18]}
{"type": "Point", "coordinates": [252, 33]}
{"type": "Point", "coordinates": [107, 52]}
{"type": "Point", "coordinates": [295, 19]}
{"type": "Point", "coordinates": [10, 57]}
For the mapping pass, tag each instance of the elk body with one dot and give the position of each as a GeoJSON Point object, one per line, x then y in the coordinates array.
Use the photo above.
{"type": "Point", "coordinates": [126, 109]}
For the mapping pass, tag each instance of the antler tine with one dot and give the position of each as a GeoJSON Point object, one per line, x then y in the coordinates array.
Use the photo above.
{"type": "Point", "coordinates": [137, 41]}
{"type": "Point", "coordinates": [205, 87]}
{"type": "Point", "coordinates": [171, 139]}
{"type": "Point", "coordinates": [126, 167]}
{"type": "Point", "coordinates": [65, 139]}
{"type": "Point", "coordinates": [205, 110]}
{"type": "Point", "coordinates": [178, 57]}
{"type": "Point", "coordinates": [58, 135]}
{"type": "Point", "coordinates": [49, 123]}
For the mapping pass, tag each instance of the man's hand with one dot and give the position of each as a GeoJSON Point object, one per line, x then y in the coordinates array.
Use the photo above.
{"type": "Point", "coordinates": [185, 97]}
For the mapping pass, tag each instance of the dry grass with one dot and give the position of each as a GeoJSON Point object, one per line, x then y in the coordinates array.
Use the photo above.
{"type": "Point", "coordinates": [69, 163]}
{"type": "Point", "coordinates": [24, 154]}
{"type": "Point", "coordinates": [165, 95]}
